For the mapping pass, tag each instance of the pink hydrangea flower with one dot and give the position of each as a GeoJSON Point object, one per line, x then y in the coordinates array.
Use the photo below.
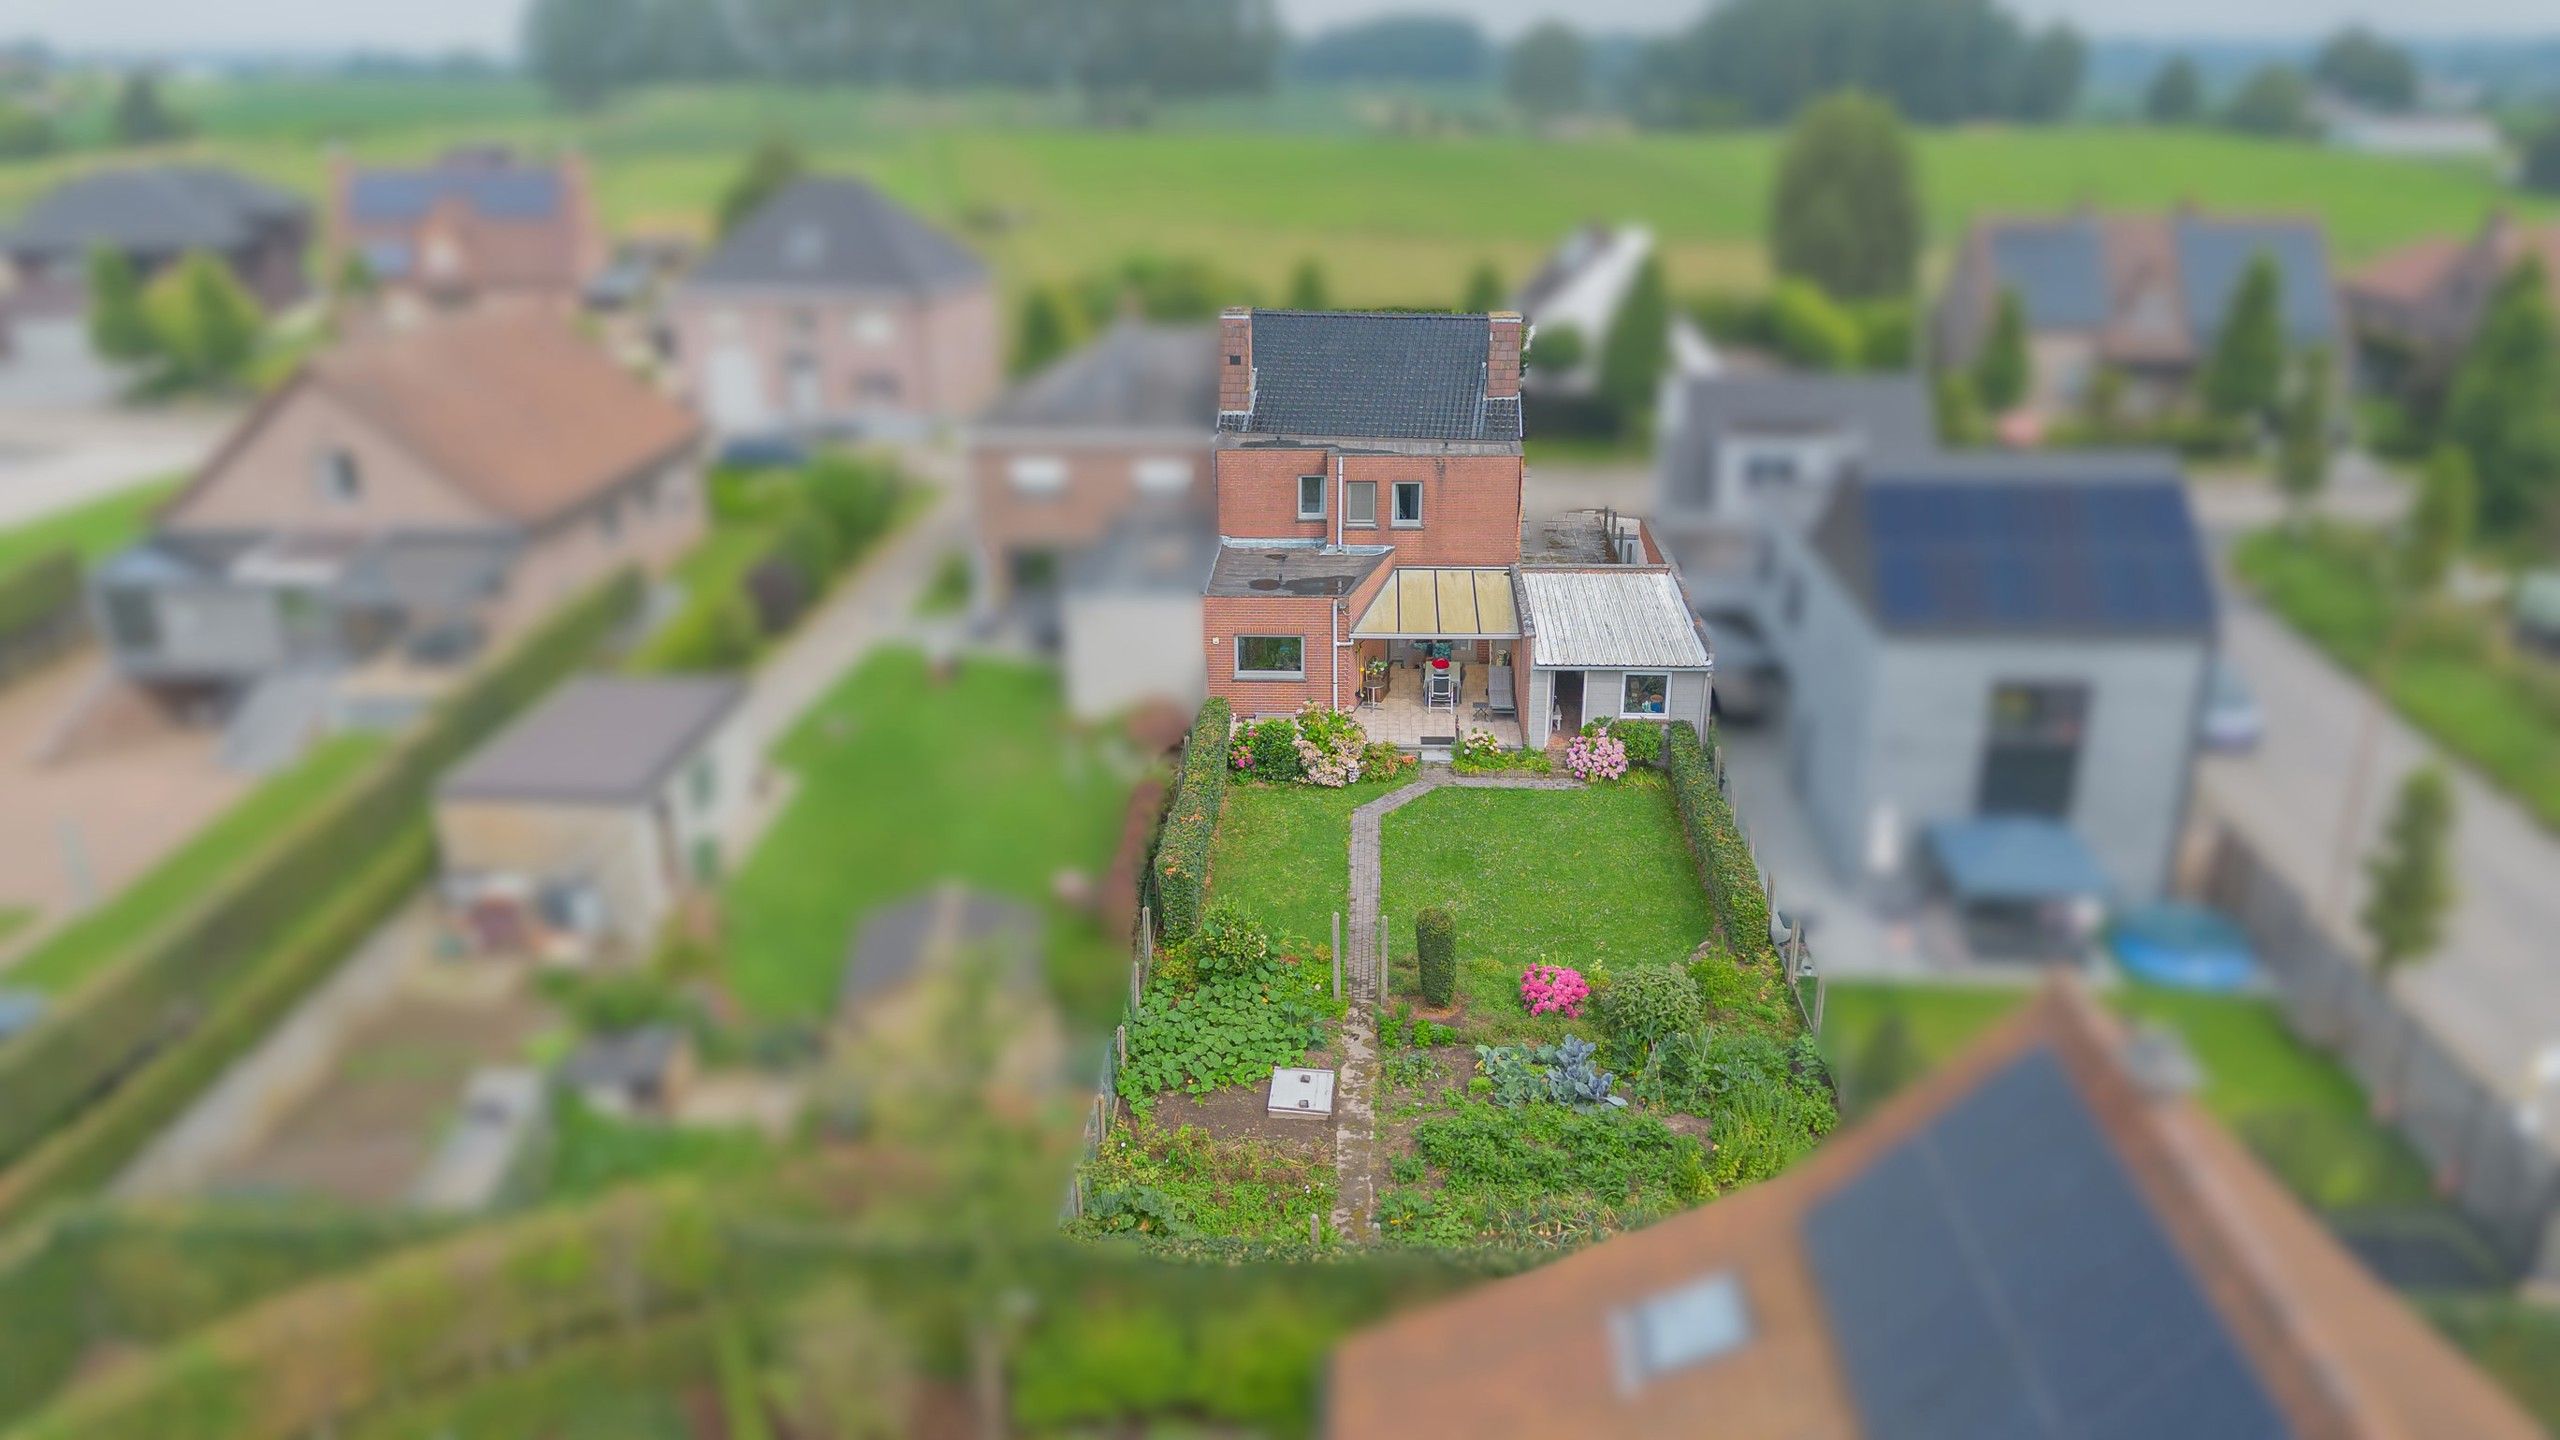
{"type": "Point", "coordinates": [1554, 989]}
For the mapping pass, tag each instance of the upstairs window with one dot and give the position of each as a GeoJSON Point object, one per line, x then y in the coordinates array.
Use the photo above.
{"type": "Point", "coordinates": [874, 327]}
{"type": "Point", "coordinates": [1161, 474]}
{"type": "Point", "coordinates": [341, 479]}
{"type": "Point", "coordinates": [1360, 504]}
{"type": "Point", "coordinates": [1038, 474]}
{"type": "Point", "coordinates": [1310, 497]}
{"type": "Point", "coordinates": [1408, 501]}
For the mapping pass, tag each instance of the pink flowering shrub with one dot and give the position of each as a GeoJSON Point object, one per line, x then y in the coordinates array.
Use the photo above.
{"type": "Point", "coordinates": [1554, 989]}
{"type": "Point", "coordinates": [1596, 757]}
{"type": "Point", "coordinates": [1329, 745]}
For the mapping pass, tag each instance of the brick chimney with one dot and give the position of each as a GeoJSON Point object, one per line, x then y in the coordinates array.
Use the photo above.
{"type": "Point", "coordinates": [1235, 362]}
{"type": "Point", "coordinates": [1502, 356]}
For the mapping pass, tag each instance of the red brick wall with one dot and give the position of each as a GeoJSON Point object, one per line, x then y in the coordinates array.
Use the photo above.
{"type": "Point", "coordinates": [1101, 487]}
{"type": "Point", "coordinates": [1470, 503]}
{"type": "Point", "coordinates": [1258, 493]}
{"type": "Point", "coordinates": [1502, 356]}
{"type": "Point", "coordinates": [1223, 617]}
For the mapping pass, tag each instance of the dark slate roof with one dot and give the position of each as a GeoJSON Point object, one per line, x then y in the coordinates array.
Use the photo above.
{"type": "Point", "coordinates": [898, 942]}
{"type": "Point", "coordinates": [2214, 255]}
{"type": "Point", "coordinates": [1960, 1273]}
{"type": "Point", "coordinates": [831, 231]}
{"type": "Point", "coordinates": [2015, 545]}
{"type": "Point", "coordinates": [497, 191]}
{"type": "Point", "coordinates": [2058, 268]}
{"type": "Point", "coordinates": [1375, 375]}
{"type": "Point", "coordinates": [1892, 415]}
{"type": "Point", "coordinates": [152, 209]}
{"type": "Point", "coordinates": [1268, 567]}
{"type": "Point", "coordinates": [622, 1059]}
{"type": "Point", "coordinates": [598, 739]}
{"type": "Point", "coordinates": [1135, 376]}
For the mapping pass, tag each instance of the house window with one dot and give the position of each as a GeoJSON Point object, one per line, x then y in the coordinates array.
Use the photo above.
{"type": "Point", "coordinates": [1647, 695]}
{"type": "Point", "coordinates": [1679, 1329]}
{"type": "Point", "coordinates": [704, 783]}
{"type": "Point", "coordinates": [1408, 501]}
{"type": "Point", "coordinates": [1271, 657]}
{"type": "Point", "coordinates": [1161, 474]}
{"type": "Point", "coordinates": [874, 327]}
{"type": "Point", "coordinates": [134, 620]}
{"type": "Point", "coordinates": [341, 479]}
{"type": "Point", "coordinates": [804, 326]}
{"type": "Point", "coordinates": [1310, 497]}
{"type": "Point", "coordinates": [1038, 474]}
{"type": "Point", "coordinates": [1768, 470]}
{"type": "Point", "coordinates": [2031, 762]}
{"type": "Point", "coordinates": [1360, 503]}
{"type": "Point", "coordinates": [880, 386]}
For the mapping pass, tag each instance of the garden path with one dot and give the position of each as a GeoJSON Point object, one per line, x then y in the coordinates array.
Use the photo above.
{"type": "Point", "coordinates": [1355, 1117]}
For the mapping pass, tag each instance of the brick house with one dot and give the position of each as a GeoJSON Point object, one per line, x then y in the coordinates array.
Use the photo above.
{"type": "Point", "coordinates": [833, 309]}
{"type": "Point", "coordinates": [1369, 514]}
{"type": "Point", "coordinates": [2416, 308]}
{"type": "Point", "coordinates": [477, 224]}
{"type": "Point", "coordinates": [155, 215]}
{"type": "Point", "coordinates": [404, 499]}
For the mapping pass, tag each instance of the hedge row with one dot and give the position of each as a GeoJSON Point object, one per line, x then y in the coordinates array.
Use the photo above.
{"type": "Point", "coordinates": [1180, 875]}
{"type": "Point", "coordinates": [35, 595]}
{"type": "Point", "coordinates": [1715, 838]}
{"type": "Point", "coordinates": [138, 1014]}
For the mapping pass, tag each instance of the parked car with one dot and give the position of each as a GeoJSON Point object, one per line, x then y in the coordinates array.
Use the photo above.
{"type": "Point", "coordinates": [2186, 947]}
{"type": "Point", "coordinates": [2233, 723]}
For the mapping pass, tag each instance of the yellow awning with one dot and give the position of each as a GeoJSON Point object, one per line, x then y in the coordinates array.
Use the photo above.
{"type": "Point", "coordinates": [1436, 603]}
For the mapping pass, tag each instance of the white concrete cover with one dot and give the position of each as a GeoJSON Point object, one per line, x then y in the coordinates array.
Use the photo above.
{"type": "Point", "coordinates": [1301, 1092]}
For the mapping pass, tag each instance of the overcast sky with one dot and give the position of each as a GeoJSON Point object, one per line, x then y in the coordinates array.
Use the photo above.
{"type": "Point", "coordinates": [335, 25]}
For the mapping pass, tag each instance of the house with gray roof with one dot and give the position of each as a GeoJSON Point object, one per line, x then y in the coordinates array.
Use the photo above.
{"type": "Point", "coordinates": [477, 223]}
{"type": "Point", "coordinates": [1980, 648]}
{"type": "Point", "coordinates": [155, 215]}
{"type": "Point", "coordinates": [834, 309]}
{"type": "Point", "coordinates": [2143, 295]}
{"type": "Point", "coordinates": [582, 827]}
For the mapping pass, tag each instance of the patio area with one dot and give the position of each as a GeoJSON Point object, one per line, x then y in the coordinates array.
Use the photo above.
{"type": "Point", "coordinates": [1401, 718]}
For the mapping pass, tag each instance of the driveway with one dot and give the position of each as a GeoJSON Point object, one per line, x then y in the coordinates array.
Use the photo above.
{"type": "Point", "coordinates": [54, 459]}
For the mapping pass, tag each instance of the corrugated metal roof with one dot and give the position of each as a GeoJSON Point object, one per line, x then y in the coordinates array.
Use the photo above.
{"type": "Point", "coordinates": [1622, 617]}
{"type": "Point", "coordinates": [1441, 602]}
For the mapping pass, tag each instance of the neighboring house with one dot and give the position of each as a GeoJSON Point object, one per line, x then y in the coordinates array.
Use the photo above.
{"type": "Point", "coordinates": [583, 825]}
{"type": "Point", "coordinates": [1128, 615]}
{"type": "Point", "coordinates": [404, 497]}
{"type": "Point", "coordinates": [1369, 486]}
{"type": "Point", "coordinates": [834, 309]}
{"type": "Point", "coordinates": [2145, 295]}
{"type": "Point", "coordinates": [2049, 1236]}
{"type": "Point", "coordinates": [478, 224]}
{"type": "Point", "coordinates": [1580, 288]}
{"type": "Point", "coordinates": [2416, 308]}
{"type": "Point", "coordinates": [635, 1074]}
{"type": "Point", "coordinates": [154, 216]}
{"type": "Point", "coordinates": [1994, 637]}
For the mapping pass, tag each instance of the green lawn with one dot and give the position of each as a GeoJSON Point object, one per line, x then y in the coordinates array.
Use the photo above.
{"type": "Point", "coordinates": [905, 781]}
{"type": "Point", "coordinates": [1583, 878]}
{"type": "Point", "coordinates": [2453, 677]}
{"type": "Point", "coordinates": [2300, 1110]}
{"type": "Point", "coordinates": [96, 529]}
{"type": "Point", "coordinates": [189, 873]}
{"type": "Point", "coordinates": [1283, 853]}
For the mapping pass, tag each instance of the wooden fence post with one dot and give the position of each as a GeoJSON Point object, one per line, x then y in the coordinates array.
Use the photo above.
{"type": "Point", "coordinates": [1821, 988]}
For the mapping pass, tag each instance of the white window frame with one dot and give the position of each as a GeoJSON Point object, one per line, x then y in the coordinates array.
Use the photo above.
{"type": "Point", "coordinates": [872, 327]}
{"type": "Point", "coordinates": [1037, 474]}
{"type": "Point", "coordinates": [1351, 512]}
{"type": "Point", "coordinates": [1311, 485]}
{"type": "Point", "coordinates": [1395, 509]}
{"type": "Point", "coordinates": [1242, 673]}
{"type": "Point", "coordinates": [1626, 678]}
{"type": "Point", "coordinates": [1161, 474]}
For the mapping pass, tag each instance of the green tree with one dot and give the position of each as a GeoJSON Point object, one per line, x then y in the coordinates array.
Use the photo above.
{"type": "Point", "coordinates": [1484, 292]}
{"type": "Point", "coordinates": [2274, 101]}
{"type": "Point", "coordinates": [1959, 411]}
{"type": "Point", "coordinates": [1811, 330]}
{"type": "Point", "coordinates": [2439, 525]}
{"type": "Point", "coordinates": [1045, 331]}
{"type": "Point", "coordinates": [1548, 72]}
{"type": "Point", "coordinates": [141, 116]}
{"type": "Point", "coordinates": [2103, 406]}
{"type": "Point", "coordinates": [24, 133]}
{"type": "Point", "coordinates": [1307, 290]}
{"type": "Point", "coordinates": [2001, 372]}
{"type": "Point", "coordinates": [2411, 887]}
{"type": "Point", "coordinates": [2540, 169]}
{"type": "Point", "coordinates": [1558, 348]}
{"type": "Point", "coordinates": [775, 163]}
{"type": "Point", "coordinates": [2302, 442]}
{"type": "Point", "coordinates": [2049, 74]}
{"type": "Point", "coordinates": [2245, 376]}
{"type": "Point", "coordinates": [1631, 356]}
{"type": "Point", "coordinates": [1846, 214]}
{"type": "Point", "coordinates": [2505, 405]}
{"type": "Point", "coordinates": [1435, 949]}
{"type": "Point", "coordinates": [1938, 62]}
{"type": "Point", "coordinates": [119, 327]}
{"type": "Point", "coordinates": [584, 50]}
{"type": "Point", "coordinates": [2358, 65]}
{"type": "Point", "coordinates": [2176, 96]}
{"type": "Point", "coordinates": [204, 325]}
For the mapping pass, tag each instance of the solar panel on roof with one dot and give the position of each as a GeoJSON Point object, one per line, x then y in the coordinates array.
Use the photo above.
{"type": "Point", "coordinates": [1998, 1273]}
{"type": "Point", "coordinates": [2068, 556]}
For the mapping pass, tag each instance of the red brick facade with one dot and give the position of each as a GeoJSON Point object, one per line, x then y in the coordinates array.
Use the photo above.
{"type": "Point", "coordinates": [1103, 481]}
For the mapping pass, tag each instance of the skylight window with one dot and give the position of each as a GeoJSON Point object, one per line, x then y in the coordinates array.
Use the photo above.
{"type": "Point", "coordinates": [1679, 1328]}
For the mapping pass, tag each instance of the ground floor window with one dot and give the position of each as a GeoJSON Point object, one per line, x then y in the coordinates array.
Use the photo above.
{"type": "Point", "coordinates": [1271, 657]}
{"type": "Point", "coordinates": [1647, 695]}
{"type": "Point", "coordinates": [2031, 762]}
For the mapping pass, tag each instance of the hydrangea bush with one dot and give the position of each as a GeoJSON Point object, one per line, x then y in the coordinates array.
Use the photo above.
{"type": "Point", "coordinates": [1596, 757]}
{"type": "Point", "coordinates": [1329, 745]}
{"type": "Point", "coordinates": [1554, 990]}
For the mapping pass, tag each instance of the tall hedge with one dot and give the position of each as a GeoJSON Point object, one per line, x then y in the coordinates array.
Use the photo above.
{"type": "Point", "coordinates": [35, 594]}
{"type": "Point", "coordinates": [1179, 875]}
{"type": "Point", "coordinates": [1715, 838]}
{"type": "Point", "coordinates": [140, 1013]}
{"type": "Point", "coordinates": [1435, 950]}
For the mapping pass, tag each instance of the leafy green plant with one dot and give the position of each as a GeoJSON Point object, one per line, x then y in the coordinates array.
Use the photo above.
{"type": "Point", "coordinates": [1229, 1031]}
{"type": "Point", "coordinates": [1273, 744]}
{"type": "Point", "coordinates": [1230, 943]}
{"type": "Point", "coordinates": [1641, 1004]}
{"type": "Point", "coordinates": [1564, 1073]}
{"type": "Point", "coordinates": [1179, 874]}
{"type": "Point", "coordinates": [1435, 947]}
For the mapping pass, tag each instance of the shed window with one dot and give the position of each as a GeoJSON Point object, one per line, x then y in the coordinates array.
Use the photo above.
{"type": "Point", "coordinates": [1271, 657]}
{"type": "Point", "coordinates": [1647, 695]}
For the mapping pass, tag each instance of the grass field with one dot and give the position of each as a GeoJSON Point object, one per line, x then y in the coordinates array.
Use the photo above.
{"type": "Point", "coordinates": [905, 781]}
{"type": "Point", "coordinates": [95, 529]}
{"type": "Point", "coordinates": [1396, 219]}
{"type": "Point", "coordinates": [191, 872]}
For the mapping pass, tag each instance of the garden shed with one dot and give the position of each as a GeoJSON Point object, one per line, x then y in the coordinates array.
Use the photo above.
{"type": "Point", "coordinates": [1611, 642]}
